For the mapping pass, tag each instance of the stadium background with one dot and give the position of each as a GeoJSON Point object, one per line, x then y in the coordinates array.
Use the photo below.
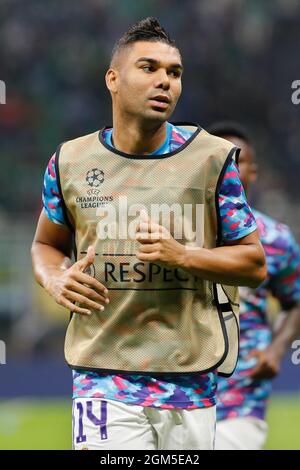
{"type": "Point", "coordinates": [240, 60]}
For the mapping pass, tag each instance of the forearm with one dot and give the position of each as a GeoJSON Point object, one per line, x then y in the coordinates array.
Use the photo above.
{"type": "Point", "coordinates": [241, 265]}
{"type": "Point", "coordinates": [287, 331]}
{"type": "Point", "coordinates": [46, 261]}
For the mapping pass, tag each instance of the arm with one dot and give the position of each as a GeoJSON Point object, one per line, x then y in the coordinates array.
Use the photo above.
{"type": "Point", "coordinates": [53, 270]}
{"type": "Point", "coordinates": [240, 262]}
{"type": "Point", "coordinates": [285, 286]}
{"type": "Point", "coordinates": [269, 360]}
{"type": "Point", "coordinates": [287, 331]}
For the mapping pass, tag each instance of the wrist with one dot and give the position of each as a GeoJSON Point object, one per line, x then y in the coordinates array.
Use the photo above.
{"type": "Point", "coordinates": [188, 257]}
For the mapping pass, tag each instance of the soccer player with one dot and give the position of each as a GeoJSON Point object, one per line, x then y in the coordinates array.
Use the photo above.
{"type": "Point", "coordinates": [242, 398]}
{"type": "Point", "coordinates": [163, 237]}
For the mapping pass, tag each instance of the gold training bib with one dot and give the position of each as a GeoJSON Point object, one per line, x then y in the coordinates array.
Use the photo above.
{"type": "Point", "coordinates": [159, 319]}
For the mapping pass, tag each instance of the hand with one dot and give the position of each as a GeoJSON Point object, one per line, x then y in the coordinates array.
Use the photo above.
{"type": "Point", "coordinates": [157, 244]}
{"type": "Point", "coordinates": [73, 285]}
{"type": "Point", "coordinates": [267, 366]}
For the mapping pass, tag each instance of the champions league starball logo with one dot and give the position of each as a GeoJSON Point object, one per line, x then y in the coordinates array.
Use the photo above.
{"type": "Point", "coordinates": [95, 177]}
{"type": "Point", "coordinates": [93, 197]}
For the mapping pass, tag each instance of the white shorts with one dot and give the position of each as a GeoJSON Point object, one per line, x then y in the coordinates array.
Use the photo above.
{"type": "Point", "coordinates": [100, 424]}
{"type": "Point", "coordinates": [244, 433]}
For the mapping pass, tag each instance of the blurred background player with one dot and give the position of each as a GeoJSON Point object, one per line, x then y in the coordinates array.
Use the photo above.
{"type": "Point", "coordinates": [242, 399]}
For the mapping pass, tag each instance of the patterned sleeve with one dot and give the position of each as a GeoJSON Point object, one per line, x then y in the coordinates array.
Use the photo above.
{"type": "Point", "coordinates": [236, 216]}
{"type": "Point", "coordinates": [285, 285]}
{"type": "Point", "coordinates": [51, 196]}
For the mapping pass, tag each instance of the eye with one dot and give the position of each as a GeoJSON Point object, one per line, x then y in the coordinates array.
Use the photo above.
{"type": "Point", "coordinates": [148, 68]}
{"type": "Point", "coordinates": [175, 73]}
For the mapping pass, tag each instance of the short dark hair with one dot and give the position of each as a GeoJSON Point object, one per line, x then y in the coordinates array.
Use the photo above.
{"type": "Point", "coordinates": [147, 29]}
{"type": "Point", "coordinates": [222, 128]}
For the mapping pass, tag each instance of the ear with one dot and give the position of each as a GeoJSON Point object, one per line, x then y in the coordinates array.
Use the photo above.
{"type": "Point", "coordinates": [111, 79]}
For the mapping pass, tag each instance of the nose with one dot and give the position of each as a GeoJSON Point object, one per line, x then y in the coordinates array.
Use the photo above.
{"type": "Point", "coordinates": [162, 79]}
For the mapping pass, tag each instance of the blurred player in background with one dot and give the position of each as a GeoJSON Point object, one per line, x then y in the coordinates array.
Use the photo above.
{"type": "Point", "coordinates": [137, 352]}
{"type": "Point", "coordinates": [242, 398]}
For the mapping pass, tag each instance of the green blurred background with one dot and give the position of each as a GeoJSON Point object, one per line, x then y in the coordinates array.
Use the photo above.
{"type": "Point", "coordinates": [47, 424]}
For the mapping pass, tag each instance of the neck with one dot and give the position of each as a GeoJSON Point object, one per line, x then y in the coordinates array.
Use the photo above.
{"type": "Point", "coordinates": [136, 138]}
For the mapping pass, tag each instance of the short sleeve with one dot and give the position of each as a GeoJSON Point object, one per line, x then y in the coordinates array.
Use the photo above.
{"type": "Point", "coordinates": [285, 285]}
{"type": "Point", "coordinates": [52, 200]}
{"type": "Point", "coordinates": [237, 219]}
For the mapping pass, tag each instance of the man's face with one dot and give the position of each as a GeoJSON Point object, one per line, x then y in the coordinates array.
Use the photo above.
{"type": "Point", "coordinates": [247, 165]}
{"type": "Point", "coordinates": [145, 80]}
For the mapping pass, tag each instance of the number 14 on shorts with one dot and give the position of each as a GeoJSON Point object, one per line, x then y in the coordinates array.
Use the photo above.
{"type": "Point", "coordinates": [84, 418]}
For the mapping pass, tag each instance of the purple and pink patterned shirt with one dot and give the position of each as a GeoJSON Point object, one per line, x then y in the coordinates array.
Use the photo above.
{"type": "Point", "coordinates": [167, 391]}
{"type": "Point", "coordinates": [240, 395]}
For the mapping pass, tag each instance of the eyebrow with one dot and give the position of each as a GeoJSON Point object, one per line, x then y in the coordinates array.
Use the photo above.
{"type": "Point", "coordinates": [157, 62]}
